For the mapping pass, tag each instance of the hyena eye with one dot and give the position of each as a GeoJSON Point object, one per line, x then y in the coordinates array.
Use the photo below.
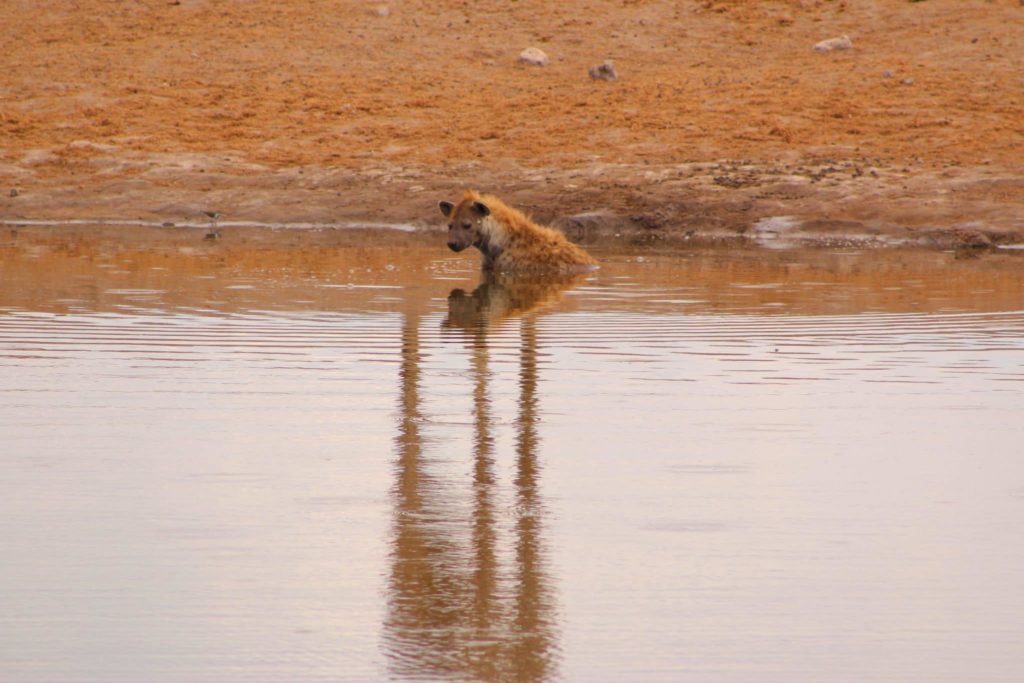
{"type": "Point", "coordinates": [451, 226]}
{"type": "Point", "coordinates": [467, 226]}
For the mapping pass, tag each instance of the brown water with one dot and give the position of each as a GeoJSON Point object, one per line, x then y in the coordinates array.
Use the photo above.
{"type": "Point", "coordinates": [245, 460]}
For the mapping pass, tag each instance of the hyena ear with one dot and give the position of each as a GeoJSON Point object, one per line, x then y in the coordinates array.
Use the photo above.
{"type": "Point", "coordinates": [446, 208]}
{"type": "Point", "coordinates": [481, 208]}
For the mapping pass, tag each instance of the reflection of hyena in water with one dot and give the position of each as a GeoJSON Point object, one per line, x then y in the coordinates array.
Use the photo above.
{"type": "Point", "coordinates": [508, 239]}
{"type": "Point", "coordinates": [502, 296]}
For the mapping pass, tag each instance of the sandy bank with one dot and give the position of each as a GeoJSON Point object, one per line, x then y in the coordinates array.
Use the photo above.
{"type": "Point", "coordinates": [724, 124]}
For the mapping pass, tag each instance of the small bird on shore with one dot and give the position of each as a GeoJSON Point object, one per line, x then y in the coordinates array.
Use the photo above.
{"type": "Point", "coordinates": [214, 216]}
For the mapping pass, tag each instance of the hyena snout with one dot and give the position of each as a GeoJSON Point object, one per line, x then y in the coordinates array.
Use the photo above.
{"type": "Point", "coordinates": [459, 239]}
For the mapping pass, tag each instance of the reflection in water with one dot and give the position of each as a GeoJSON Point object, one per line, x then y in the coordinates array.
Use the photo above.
{"type": "Point", "coordinates": [534, 601]}
{"type": "Point", "coordinates": [799, 466]}
{"type": "Point", "coordinates": [457, 612]}
{"type": "Point", "coordinates": [500, 296]}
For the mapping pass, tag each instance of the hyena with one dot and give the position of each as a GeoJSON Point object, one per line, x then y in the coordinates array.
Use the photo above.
{"type": "Point", "coordinates": [508, 239]}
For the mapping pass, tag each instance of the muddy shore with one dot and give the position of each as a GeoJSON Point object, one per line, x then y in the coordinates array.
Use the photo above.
{"type": "Point", "coordinates": [724, 126]}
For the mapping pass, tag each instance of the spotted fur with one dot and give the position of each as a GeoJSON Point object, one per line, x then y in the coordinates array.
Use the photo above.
{"type": "Point", "coordinates": [508, 239]}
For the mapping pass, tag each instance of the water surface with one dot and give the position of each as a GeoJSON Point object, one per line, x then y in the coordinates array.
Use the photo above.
{"type": "Point", "coordinates": [259, 459]}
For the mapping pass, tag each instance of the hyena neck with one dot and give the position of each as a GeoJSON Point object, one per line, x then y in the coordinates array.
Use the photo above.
{"type": "Point", "coordinates": [490, 252]}
{"type": "Point", "coordinates": [491, 242]}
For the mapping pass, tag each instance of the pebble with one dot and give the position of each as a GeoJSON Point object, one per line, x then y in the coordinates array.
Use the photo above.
{"type": "Point", "coordinates": [14, 192]}
{"type": "Point", "coordinates": [887, 73]}
{"type": "Point", "coordinates": [382, 11]}
{"type": "Point", "coordinates": [534, 56]}
{"type": "Point", "coordinates": [604, 72]}
{"type": "Point", "coordinates": [840, 43]}
{"type": "Point", "coordinates": [907, 81]}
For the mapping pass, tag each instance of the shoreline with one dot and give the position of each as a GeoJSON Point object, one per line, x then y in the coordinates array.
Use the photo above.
{"type": "Point", "coordinates": [831, 203]}
{"type": "Point", "coordinates": [724, 125]}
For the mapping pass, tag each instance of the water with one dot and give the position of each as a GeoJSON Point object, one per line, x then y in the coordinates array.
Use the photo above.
{"type": "Point", "coordinates": [277, 458]}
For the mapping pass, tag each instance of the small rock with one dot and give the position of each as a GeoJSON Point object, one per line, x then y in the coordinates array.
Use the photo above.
{"type": "Point", "coordinates": [382, 11]}
{"type": "Point", "coordinates": [907, 81]}
{"type": "Point", "coordinates": [604, 72]}
{"type": "Point", "coordinates": [14, 192]}
{"type": "Point", "coordinates": [887, 73]}
{"type": "Point", "coordinates": [840, 43]}
{"type": "Point", "coordinates": [534, 56]}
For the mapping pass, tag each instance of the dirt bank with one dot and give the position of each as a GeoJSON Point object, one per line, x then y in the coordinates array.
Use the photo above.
{"type": "Point", "coordinates": [724, 124]}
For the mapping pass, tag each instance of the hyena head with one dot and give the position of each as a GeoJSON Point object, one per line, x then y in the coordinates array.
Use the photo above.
{"type": "Point", "coordinates": [465, 223]}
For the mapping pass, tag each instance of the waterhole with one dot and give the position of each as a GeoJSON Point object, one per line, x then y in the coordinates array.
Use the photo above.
{"type": "Point", "coordinates": [264, 459]}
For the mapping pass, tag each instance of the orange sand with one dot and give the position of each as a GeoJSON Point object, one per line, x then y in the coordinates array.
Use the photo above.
{"type": "Point", "coordinates": [326, 110]}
